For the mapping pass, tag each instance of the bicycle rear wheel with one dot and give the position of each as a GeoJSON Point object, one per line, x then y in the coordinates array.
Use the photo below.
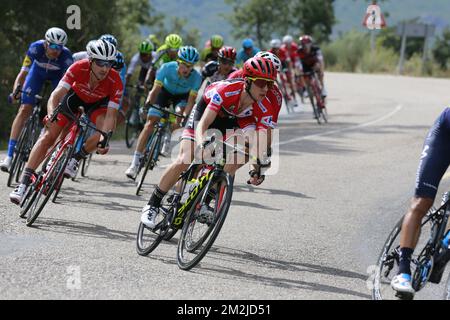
{"type": "Point", "coordinates": [85, 165]}
{"type": "Point", "coordinates": [43, 194]}
{"type": "Point", "coordinates": [199, 230]}
{"type": "Point", "coordinates": [132, 127]}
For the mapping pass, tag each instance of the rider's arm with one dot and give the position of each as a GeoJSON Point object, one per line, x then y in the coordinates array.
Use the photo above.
{"type": "Point", "coordinates": [55, 98]}
{"type": "Point", "coordinates": [190, 104]}
{"type": "Point", "coordinates": [153, 94]}
{"type": "Point", "coordinates": [207, 119]}
{"type": "Point", "coordinates": [20, 79]}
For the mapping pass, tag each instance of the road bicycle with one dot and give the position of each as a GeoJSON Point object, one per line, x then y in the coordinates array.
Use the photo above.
{"type": "Point", "coordinates": [200, 216]}
{"type": "Point", "coordinates": [428, 262]}
{"type": "Point", "coordinates": [154, 146]}
{"type": "Point", "coordinates": [51, 176]}
{"type": "Point", "coordinates": [134, 121]}
{"type": "Point", "coordinates": [314, 90]}
{"type": "Point", "coordinates": [28, 137]}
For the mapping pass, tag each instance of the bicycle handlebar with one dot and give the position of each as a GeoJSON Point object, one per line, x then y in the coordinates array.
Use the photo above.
{"type": "Point", "coordinates": [166, 111]}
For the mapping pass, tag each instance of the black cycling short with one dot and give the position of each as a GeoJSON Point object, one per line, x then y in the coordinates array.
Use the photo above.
{"type": "Point", "coordinates": [221, 123]}
{"type": "Point", "coordinates": [435, 157]}
{"type": "Point", "coordinates": [165, 99]}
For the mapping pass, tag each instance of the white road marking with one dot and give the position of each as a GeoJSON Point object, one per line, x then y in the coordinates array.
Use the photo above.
{"type": "Point", "coordinates": [326, 133]}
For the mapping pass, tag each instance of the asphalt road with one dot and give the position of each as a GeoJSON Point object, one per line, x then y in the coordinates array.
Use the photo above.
{"type": "Point", "coordinates": [311, 231]}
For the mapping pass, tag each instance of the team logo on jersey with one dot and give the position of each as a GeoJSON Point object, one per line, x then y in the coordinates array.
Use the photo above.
{"type": "Point", "coordinates": [232, 93]}
{"type": "Point", "coordinates": [261, 106]}
{"type": "Point", "coordinates": [27, 61]}
{"type": "Point", "coordinates": [278, 97]}
{"type": "Point", "coordinates": [268, 121]}
{"type": "Point", "coordinates": [217, 99]}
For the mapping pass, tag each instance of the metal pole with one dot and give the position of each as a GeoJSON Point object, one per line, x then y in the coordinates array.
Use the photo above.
{"type": "Point", "coordinates": [402, 49]}
{"type": "Point", "coordinates": [425, 46]}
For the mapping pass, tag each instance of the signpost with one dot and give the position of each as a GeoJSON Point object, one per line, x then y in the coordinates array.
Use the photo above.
{"type": "Point", "coordinates": [414, 30]}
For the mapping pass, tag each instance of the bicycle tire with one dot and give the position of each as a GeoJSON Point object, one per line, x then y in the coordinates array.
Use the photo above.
{"type": "Point", "coordinates": [17, 159]}
{"type": "Point", "coordinates": [56, 174]}
{"type": "Point", "coordinates": [28, 200]}
{"type": "Point", "coordinates": [206, 241]}
{"type": "Point", "coordinates": [58, 189]}
{"type": "Point", "coordinates": [150, 160]}
{"type": "Point", "coordinates": [313, 104]}
{"type": "Point", "coordinates": [85, 165]}
{"type": "Point", "coordinates": [132, 131]}
{"type": "Point", "coordinates": [157, 233]}
{"type": "Point", "coordinates": [389, 259]}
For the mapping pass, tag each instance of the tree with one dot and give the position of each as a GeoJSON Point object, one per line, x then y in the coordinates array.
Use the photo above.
{"type": "Point", "coordinates": [264, 19]}
{"type": "Point", "coordinates": [258, 19]}
{"type": "Point", "coordinates": [23, 22]}
{"type": "Point", "coordinates": [313, 17]}
{"type": "Point", "coordinates": [441, 50]}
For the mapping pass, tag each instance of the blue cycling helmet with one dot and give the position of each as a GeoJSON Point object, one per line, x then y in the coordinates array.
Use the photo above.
{"type": "Point", "coordinates": [120, 61]}
{"type": "Point", "coordinates": [110, 38]}
{"type": "Point", "coordinates": [247, 43]}
{"type": "Point", "coordinates": [188, 54]}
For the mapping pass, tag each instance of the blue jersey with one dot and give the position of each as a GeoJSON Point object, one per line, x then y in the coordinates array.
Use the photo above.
{"type": "Point", "coordinates": [37, 61]}
{"type": "Point", "coordinates": [40, 69]}
{"type": "Point", "coordinates": [242, 56]}
{"type": "Point", "coordinates": [168, 77]}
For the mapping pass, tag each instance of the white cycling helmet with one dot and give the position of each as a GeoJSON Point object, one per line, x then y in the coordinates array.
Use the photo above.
{"type": "Point", "coordinates": [56, 36]}
{"type": "Point", "coordinates": [101, 50]}
{"type": "Point", "coordinates": [287, 39]}
{"type": "Point", "coordinates": [270, 56]}
{"type": "Point", "coordinates": [275, 43]}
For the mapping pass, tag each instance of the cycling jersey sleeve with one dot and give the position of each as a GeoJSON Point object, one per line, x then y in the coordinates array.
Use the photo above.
{"type": "Point", "coordinates": [216, 101]}
{"type": "Point", "coordinates": [196, 84]}
{"type": "Point", "coordinates": [116, 91]}
{"type": "Point", "coordinates": [29, 58]}
{"type": "Point", "coordinates": [161, 74]}
{"type": "Point", "coordinates": [133, 64]}
{"type": "Point", "coordinates": [69, 77]}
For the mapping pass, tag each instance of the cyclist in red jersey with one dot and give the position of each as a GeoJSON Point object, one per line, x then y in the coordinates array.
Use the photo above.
{"type": "Point", "coordinates": [273, 104]}
{"type": "Point", "coordinates": [312, 59]}
{"type": "Point", "coordinates": [222, 105]}
{"type": "Point", "coordinates": [286, 66]}
{"type": "Point", "coordinates": [91, 83]}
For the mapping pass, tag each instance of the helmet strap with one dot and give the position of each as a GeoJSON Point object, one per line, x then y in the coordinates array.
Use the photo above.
{"type": "Point", "coordinates": [248, 85]}
{"type": "Point", "coordinates": [92, 71]}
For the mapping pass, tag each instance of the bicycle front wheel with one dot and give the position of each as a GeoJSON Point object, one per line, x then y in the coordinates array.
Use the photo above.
{"type": "Point", "coordinates": [151, 159]}
{"type": "Point", "coordinates": [53, 178]}
{"type": "Point", "coordinates": [204, 221]}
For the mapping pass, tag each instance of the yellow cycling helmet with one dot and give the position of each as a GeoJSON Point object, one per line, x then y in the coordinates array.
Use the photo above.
{"type": "Point", "coordinates": [216, 41]}
{"type": "Point", "coordinates": [173, 41]}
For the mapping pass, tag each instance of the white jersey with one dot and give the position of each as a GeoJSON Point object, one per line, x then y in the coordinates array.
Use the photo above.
{"type": "Point", "coordinates": [80, 56]}
{"type": "Point", "coordinates": [136, 61]}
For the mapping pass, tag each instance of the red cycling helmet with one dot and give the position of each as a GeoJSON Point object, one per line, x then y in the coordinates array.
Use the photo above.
{"type": "Point", "coordinates": [228, 53]}
{"type": "Point", "coordinates": [304, 40]}
{"type": "Point", "coordinates": [258, 67]}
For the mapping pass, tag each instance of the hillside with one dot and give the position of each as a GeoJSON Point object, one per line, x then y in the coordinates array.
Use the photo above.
{"type": "Point", "coordinates": [205, 14]}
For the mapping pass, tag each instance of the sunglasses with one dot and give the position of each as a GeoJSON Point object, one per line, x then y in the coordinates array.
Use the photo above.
{"type": "Point", "coordinates": [262, 83]}
{"type": "Point", "coordinates": [55, 46]}
{"type": "Point", "coordinates": [104, 63]}
{"type": "Point", "coordinates": [226, 61]}
{"type": "Point", "coordinates": [187, 65]}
